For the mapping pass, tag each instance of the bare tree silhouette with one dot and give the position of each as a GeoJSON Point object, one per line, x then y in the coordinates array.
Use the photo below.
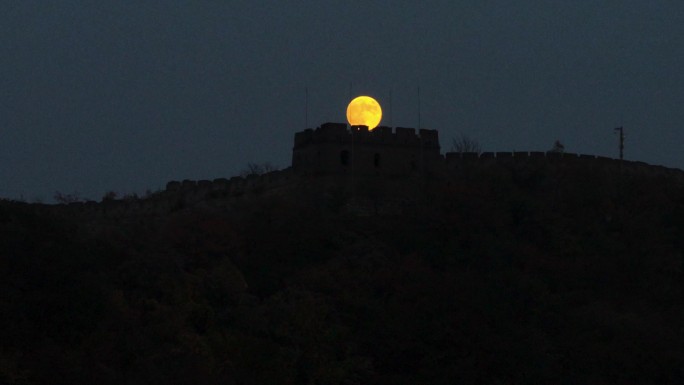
{"type": "Point", "coordinates": [464, 143]}
{"type": "Point", "coordinates": [257, 169]}
{"type": "Point", "coordinates": [558, 147]}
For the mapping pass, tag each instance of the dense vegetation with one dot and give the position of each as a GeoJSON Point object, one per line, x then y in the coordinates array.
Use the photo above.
{"type": "Point", "coordinates": [502, 276]}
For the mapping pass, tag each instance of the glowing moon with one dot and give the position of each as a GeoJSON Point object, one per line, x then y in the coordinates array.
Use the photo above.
{"type": "Point", "coordinates": [364, 111]}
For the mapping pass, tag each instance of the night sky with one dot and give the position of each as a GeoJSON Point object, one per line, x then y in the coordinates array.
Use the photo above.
{"type": "Point", "coordinates": [126, 95]}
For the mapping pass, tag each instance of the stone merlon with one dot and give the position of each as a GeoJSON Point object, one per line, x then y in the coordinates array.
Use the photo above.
{"type": "Point", "coordinates": [335, 148]}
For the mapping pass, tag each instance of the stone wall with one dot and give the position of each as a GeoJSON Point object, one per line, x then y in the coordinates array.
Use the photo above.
{"type": "Point", "coordinates": [178, 195]}
{"type": "Point", "coordinates": [334, 149]}
{"type": "Point", "coordinates": [406, 158]}
{"type": "Point", "coordinates": [455, 159]}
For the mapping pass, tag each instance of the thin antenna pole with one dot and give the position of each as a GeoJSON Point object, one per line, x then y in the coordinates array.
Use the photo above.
{"type": "Point", "coordinates": [306, 108]}
{"type": "Point", "coordinates": [622, 142]}
{"type": "Point", "coordinates": [419, 107]}
{"type": "Point", "coordinates": [353, 163]}
{"type": "Point", "coordinates": [621, 131]}
{"type": "Point", "coordinates": [390, 108]}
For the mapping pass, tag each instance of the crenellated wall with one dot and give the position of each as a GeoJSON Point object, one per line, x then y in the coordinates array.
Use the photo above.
{"type": "Point", "coordinates": [455, 159]}
{"type": "Point", "coordinates": [219, 192]}
{"type": "Point", "coordinates": [405, 158]}
{"type": "Point", "coordinates": [335, 149]}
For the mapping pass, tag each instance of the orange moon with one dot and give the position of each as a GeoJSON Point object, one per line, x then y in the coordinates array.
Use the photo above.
{"type": "Point", "coordinates": [364, 111]}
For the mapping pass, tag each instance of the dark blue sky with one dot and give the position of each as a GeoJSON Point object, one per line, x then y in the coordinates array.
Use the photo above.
{"type": "Point", "coordinates": [127, 95]}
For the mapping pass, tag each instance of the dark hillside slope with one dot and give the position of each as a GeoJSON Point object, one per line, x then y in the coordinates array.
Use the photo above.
{"type": "Point", "coordinates": [499, 275]}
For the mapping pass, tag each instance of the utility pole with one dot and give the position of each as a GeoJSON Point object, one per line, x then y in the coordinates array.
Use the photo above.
{"type": "Point", "coordinates": [419, 107]}
{"type": "Point", "coordinates": [622, 142]}
{"type": "Point", "coordinates": [353, 165]}
{"type": "Point", "coordinates": [390, 108]}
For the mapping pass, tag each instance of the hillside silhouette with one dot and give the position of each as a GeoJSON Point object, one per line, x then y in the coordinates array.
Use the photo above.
{"type": "Point", "coordinates": [564, 274]}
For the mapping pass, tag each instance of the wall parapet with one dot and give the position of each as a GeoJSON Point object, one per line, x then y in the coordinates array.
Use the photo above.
{"type": "Point", "coordinates": [389, 153]}
{"type": "Point", "coordinates": [381, 135]}
{"type": "Point", "coordinates": [456, 158]}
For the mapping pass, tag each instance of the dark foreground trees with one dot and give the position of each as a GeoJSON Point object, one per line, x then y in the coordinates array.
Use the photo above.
{"type": "Point", "coordinates": [511, 276]}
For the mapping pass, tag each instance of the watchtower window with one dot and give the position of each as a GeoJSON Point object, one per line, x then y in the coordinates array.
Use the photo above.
{"type": "Point", "coordinates": [376, 160]}
{"type": "Point", "coordinates": [344, 157]}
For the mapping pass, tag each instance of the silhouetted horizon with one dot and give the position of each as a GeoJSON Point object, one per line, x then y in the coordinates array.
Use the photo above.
{"type": "Point", "coordinates": [124, 97]}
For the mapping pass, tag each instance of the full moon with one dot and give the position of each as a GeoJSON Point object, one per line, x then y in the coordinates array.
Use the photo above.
{"type": "Point", "coordinates": [364, 111]}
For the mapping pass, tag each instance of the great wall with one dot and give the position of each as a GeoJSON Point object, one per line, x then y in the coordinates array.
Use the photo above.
{"type": "Point", "coordinates": [334, 155]}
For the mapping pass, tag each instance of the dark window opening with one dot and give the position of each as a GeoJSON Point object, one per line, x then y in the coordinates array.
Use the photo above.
{"type": "Point", "coordinates": [344, 157]}
{"type": "Point", "coordinates": [376, 160]}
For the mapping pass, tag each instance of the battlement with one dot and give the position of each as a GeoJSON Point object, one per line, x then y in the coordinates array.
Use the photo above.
{"type": "Point", "coordinates": [340, 133]}
{"type": "Point", "coordinates": [338, 155]}
{"type": "Point", "coordinates": [456, 160]}
{"type": "Point", "coordinates": [224, 193]}
{"type": "Point", "coordinates": [335, 148]}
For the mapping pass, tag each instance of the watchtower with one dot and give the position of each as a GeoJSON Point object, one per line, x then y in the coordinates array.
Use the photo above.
{"type": "Point", "coordinates": [336, 149]}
